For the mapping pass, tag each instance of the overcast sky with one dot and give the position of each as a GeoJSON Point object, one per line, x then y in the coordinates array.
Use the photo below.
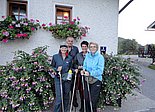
{"type": "Point", "coordinates": [134, 20]}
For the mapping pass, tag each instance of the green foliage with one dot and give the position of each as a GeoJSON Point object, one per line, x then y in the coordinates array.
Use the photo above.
{"type": "Point", "coordinates": [152, 67]}
{"type": "Point", "coordinates": [14, 29]}
{"type": "Point", "coordinates": [127, 46]}
{"type": "Point", "coordinates": [120, 78]}
{"type": "Point", "coordinates": [68, 29]}
{"type": "Point", "coordinates": [25, 84]}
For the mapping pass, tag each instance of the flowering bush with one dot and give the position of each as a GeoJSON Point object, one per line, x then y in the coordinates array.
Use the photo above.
{"type": "Point", "coordinates": [120, 77]}
{"type": "Point", "coordinates": [25, 84]}
{"type": "Point", "coordinates": [22, 28]}
{"type": "Point", "coordinates": [67, 29]}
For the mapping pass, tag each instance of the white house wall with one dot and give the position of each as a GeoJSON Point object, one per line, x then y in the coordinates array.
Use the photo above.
{"type": "Point", "coordinates": [100, 15]}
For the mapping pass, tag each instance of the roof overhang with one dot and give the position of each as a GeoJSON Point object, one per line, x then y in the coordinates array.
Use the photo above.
{"type": "Point", "coordinates": [151, 27]}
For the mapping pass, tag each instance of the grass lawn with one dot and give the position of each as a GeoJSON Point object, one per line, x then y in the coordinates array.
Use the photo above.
{"type": "Point", "coordinates": [152, 67]}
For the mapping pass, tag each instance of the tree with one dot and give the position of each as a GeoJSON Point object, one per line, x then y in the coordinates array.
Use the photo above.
{"type": "Point", "coordinates": [127, 46]}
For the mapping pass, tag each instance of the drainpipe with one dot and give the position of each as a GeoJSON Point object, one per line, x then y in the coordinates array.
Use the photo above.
{"type": "Point", "coordinates": [125, 6]}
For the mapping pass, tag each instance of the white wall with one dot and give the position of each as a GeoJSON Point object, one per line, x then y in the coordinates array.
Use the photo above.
{"type": "Point", "coordinates": [100, 15]}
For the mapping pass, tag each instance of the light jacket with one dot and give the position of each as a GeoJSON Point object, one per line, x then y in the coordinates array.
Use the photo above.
{"type": "Point", "coordinates": [94, 64]}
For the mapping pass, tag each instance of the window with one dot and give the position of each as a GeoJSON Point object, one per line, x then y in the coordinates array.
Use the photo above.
{"type": "Point", "coordinates": [63, 13]}
{"type": "Point", "coordinates": [17, 9]}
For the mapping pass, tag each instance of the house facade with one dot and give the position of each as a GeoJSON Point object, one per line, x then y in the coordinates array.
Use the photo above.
{"type": "Point", "coordinates": [100, 15]}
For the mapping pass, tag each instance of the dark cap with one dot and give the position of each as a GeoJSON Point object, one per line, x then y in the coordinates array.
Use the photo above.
{"type": "Point", "coordinates": [63, 46]}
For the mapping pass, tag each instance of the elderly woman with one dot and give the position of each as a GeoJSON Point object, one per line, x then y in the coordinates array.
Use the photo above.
{"type": "Point", "coordinates": [93, 67]}
{"type": "Point", "coordinates": [62, 63]}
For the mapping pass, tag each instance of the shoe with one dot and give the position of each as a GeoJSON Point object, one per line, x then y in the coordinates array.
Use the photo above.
{"type": "Point", "coordinates": [75, 104]}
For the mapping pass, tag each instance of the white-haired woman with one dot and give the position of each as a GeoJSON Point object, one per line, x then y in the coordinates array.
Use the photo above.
{"type": "Point", "coordinates": [93, 69]}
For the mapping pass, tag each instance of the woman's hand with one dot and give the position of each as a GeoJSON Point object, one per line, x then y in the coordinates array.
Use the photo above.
{"type": "Point", "coordinates": [82, 72]}
{"type": "Point", "coordinates": [86, 73]}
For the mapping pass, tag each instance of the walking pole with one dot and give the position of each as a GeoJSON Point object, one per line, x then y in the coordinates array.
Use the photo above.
{"type": "Point", "coordinates": [61, 92]}
{"type": "Point", "coordinates": [83, 93]}
{"type": "Point", "coordinates": [89, 95]}
{"type": "Point", "coordinates": [73, 93]}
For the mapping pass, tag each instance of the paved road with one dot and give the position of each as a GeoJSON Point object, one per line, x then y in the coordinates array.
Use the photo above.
{"type": "Point", "coordinates": [148, 87]}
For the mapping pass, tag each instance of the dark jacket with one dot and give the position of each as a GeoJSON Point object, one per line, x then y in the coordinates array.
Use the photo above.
{"type": "Point", "coordinates": [78, 60]}
{"type": "Point", "coordinates": [66, 64]}
{"type": "Point", "coordinates": [74, 51]}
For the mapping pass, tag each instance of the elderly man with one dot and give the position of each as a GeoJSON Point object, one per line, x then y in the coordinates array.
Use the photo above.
{"type": "Point", "coordinates": [72, 51]}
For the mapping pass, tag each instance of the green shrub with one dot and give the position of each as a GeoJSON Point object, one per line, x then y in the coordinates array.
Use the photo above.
{"type": "Point", "coordinates": [120, 77]}
{"type": "Point", "coordinates": [25, 84]}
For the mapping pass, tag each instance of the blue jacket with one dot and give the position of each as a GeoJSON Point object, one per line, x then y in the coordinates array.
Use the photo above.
{"type": "Point", "coordinates": [94, 64]}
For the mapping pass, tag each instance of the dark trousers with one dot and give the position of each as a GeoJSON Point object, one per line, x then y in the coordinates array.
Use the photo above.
{"type": "Point", "coordinates": [78, 86]}
{"type": "Point", "coordinates": [66, 90]}
{"type": "Point", "coordinates": [94, 94]}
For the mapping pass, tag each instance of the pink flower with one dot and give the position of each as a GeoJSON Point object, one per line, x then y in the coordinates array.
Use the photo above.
{"type": "Point", "coordinates": [78, 18]}
{"type": "Point", "coordinates": [25, 24]}
{"type": "Point", "coordinates": [3, 17]}
{"type": "Point", "coordinates": [32, 20]}
{"type": "Point", "coordinates": [50, 24]}
{"type": "Point", "coordinates": [32, 28]}
{"type": "Point", "coordinates": [11, 27]}
{"type": "Point", "coordinates": [26, 84]}
{"type": "Point", "coordinates": [74, 19]}
{"type": "Point", "coordinates": [37, 20]}
{"type": "Point", "coordinates": [35, 63]}
{"type": "Point", "coordinates": [34, 83]}
{"type": "Point", "coordinates": [72, 22]}
{"type": "Point", "coordinates": [69, 28]}
{"type": "Point", "coordinates": [125, 77]}
{"type": "Point", "coordinates": [65, 17]}
{"type": "Point", "coordinates": [43, 25]}
{"type": "Point", "coordinates": [25, 35]}
{"type": "Point", "coordinates": [84, 35]}
{"type": "Point", "coordinates": [142, 82]}
{"type": "Point", "coordinates": [18, 35]}
{"type": "Point", "coordinates": [22, 35]}
{"type": "Point", "coordinates": [5, 33]}
{"type": "Point", "coordinates": [5, 40]}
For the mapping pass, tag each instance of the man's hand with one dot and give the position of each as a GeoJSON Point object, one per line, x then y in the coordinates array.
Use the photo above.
{"type": "Point", "coordinates": [59, 69]}
{"type": "Point", "coordinates": [76, 71]}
